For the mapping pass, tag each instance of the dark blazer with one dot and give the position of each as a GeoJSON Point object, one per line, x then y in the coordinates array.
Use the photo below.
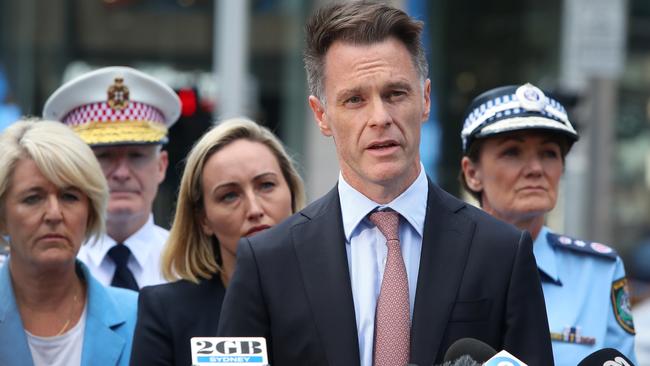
{"type": "Point", "coordinates": [477, 278]}
{"type": "Point", "coordinates": [170, 315]}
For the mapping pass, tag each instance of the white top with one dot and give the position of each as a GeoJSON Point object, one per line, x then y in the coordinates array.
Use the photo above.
{"type": "Point", "coordinates": [367, 251]}
{"type": "Point", "coordinates": [63, 350]}
{"type": "Point", "coordinates": [146, 246]}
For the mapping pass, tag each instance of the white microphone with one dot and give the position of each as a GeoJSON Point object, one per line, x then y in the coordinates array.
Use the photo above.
{"type": "Point", "coordinates": [504, 358]}
{"type": "Point", "coordinates": [232, 351]}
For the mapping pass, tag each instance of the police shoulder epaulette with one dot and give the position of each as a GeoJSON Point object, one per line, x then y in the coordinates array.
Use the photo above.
{"type": "Point", "coordinates": [586, 247]}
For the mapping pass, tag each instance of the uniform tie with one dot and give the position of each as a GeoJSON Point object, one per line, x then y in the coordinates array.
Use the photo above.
{"type": "Point", "coordinates": [123, 276]}
{"type": "Point", "coordinates": [392, 319]}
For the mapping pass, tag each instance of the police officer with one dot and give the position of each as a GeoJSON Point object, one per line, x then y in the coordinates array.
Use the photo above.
{"type": "Point", "coordinates": [124, 115]}
{"type": "Point", "coordinates": [515, 140]}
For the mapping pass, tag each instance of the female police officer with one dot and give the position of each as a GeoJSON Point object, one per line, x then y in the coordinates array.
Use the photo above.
{"type": "Point", "coordinates": [515, 140]}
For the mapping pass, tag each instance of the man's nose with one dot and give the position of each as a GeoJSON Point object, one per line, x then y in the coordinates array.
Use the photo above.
{"type": "Point", "coordinates": [379, 114]}
{"type": "Point", "coordinates": [120, 169]}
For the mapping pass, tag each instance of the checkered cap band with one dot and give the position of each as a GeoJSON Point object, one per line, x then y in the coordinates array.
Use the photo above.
{"type": "Point", "coordinates": [99, 124]}
{"type": "Point", "coordinates": [102, 112]}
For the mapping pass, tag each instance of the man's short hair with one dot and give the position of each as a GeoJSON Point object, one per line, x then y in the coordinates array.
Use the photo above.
{"type": "Point", "coordinates": [358, 22]}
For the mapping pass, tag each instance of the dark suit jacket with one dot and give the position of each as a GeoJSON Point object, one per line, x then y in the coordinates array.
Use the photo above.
{"type": "Point", "coordinates": [170, 315]}
{"type": "Point", "coordinates": [477, 278]}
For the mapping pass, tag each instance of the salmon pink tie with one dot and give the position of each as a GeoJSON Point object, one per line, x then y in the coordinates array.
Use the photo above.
{"type": "Point", "coordinates": [392, 319]}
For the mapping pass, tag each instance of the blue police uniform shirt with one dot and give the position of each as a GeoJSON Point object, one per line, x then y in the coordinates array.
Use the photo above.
{"type": "Point", "coordinates": [586, 297]}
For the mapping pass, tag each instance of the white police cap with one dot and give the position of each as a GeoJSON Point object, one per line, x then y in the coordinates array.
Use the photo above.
{"type": "Point", "coordinates": [512, 108]}
{"type": "Point", "coordinates": [115, 105]}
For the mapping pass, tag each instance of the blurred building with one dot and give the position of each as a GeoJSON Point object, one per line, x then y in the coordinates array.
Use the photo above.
{"type": "Point", "coordinates": [472, 45]}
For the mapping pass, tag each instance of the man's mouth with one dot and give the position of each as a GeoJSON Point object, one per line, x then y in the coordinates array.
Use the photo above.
{"type": "Point", "coordinates": [383, 145]}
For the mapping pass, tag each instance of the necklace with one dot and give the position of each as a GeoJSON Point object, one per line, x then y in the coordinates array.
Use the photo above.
{"type": "Point", "coordinates": [70, 315]}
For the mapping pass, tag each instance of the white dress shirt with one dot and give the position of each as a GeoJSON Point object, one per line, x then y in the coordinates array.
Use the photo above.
{"type": "Point", "coordinates": [146, 246]}
{"type": "Point", "coordinates": [366, 250]}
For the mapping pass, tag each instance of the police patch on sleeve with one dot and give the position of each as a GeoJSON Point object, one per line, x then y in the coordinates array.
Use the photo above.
{"type": "Point", "coordinates": [621, 305]}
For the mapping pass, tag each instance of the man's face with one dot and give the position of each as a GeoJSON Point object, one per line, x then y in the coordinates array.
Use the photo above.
{"type": "Point", "coordinates": [133, 173]}
{"type": "Point", "coordinates": [375, 107]}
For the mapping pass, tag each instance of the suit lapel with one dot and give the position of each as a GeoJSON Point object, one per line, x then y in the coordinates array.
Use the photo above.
{"type": "Point", "coordinates": [322, 258]}
{"type": "Point", "coordinates": [445, 246]}
{"type": "Point", "coordinates": [102, 345]}
{"type": "Point", "coordinates": [13, 341]}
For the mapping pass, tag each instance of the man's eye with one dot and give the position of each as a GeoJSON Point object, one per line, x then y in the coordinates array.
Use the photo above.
{"type": "Point", "coordinates": [354, 100]}
{"type": "Point", "coordinates": [135, 156]}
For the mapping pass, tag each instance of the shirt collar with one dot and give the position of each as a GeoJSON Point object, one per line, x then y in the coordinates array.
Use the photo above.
{"type": "Point", "coordinates": [410, 204]}
{"type": "Point", "coordinates": [545, 256]}
{"type": "Point", "coordinates": [137, 243]}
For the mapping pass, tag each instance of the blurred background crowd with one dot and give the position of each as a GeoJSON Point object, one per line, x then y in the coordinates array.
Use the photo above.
{"type": "Point", "coordinates": [243, 57]}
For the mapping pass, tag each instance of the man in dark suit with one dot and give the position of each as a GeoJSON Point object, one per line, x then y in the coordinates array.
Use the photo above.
{"type": "Point", "coordinates": [386, 268]}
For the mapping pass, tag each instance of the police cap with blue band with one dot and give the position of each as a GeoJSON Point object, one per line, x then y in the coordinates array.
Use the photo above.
{"type": "Point", "coordinates": [513, 108]}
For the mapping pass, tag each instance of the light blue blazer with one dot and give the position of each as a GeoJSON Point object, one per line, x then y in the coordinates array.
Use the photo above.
{"type": "Point", "coordinates": [110, 322]}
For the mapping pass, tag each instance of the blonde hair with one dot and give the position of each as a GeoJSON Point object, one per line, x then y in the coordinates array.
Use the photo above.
{"type": "Point", "coordinates": [62, 157]}
{"type": "Point", "coordinates": [189, 253]}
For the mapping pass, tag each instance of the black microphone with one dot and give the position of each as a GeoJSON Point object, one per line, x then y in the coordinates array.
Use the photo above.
{"type": "Point", "coordinates": [468, 352]}
{"type": "Point", "coordinates": [606, 357]}
{"type": "Point", "coordinates": [462, 361]}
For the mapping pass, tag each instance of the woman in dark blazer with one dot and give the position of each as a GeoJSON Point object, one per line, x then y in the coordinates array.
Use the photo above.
{"type": "Point", "coordinates": [238, 181]}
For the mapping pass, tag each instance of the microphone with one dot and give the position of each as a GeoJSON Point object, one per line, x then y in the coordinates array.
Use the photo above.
{"type": "Point", "coordinates": [468, 352]}
{"type": "Point", "coordinates": [504, 358]}
{"type": "Point", "coordinates": [229, 351]}
{"type": "Point", "coordinates": [606, 357]}
{"type": "Point", "coordinates": [464, 360]}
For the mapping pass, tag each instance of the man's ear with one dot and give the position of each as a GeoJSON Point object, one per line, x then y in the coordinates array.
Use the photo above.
{"type": "Point", "coordinates": [163, 162]}
{"type": "Point", "coordinates": [472, 173]}
{"type": "Point", "coordinates": [320, 116]}
{"type": "Point", "coordinates": [427, 100]}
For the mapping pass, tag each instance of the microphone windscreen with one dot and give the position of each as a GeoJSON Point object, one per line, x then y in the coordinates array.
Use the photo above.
{"type": "Point", "coordinates": [606, 357]}
{"type": "Point", "coordinates": [478, 351]}
{"type": "Point", "coordinates": [462, 361]}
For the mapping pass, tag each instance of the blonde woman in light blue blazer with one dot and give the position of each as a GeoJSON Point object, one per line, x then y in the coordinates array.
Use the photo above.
{"type": "Point", "coordinates": [52, 199]}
